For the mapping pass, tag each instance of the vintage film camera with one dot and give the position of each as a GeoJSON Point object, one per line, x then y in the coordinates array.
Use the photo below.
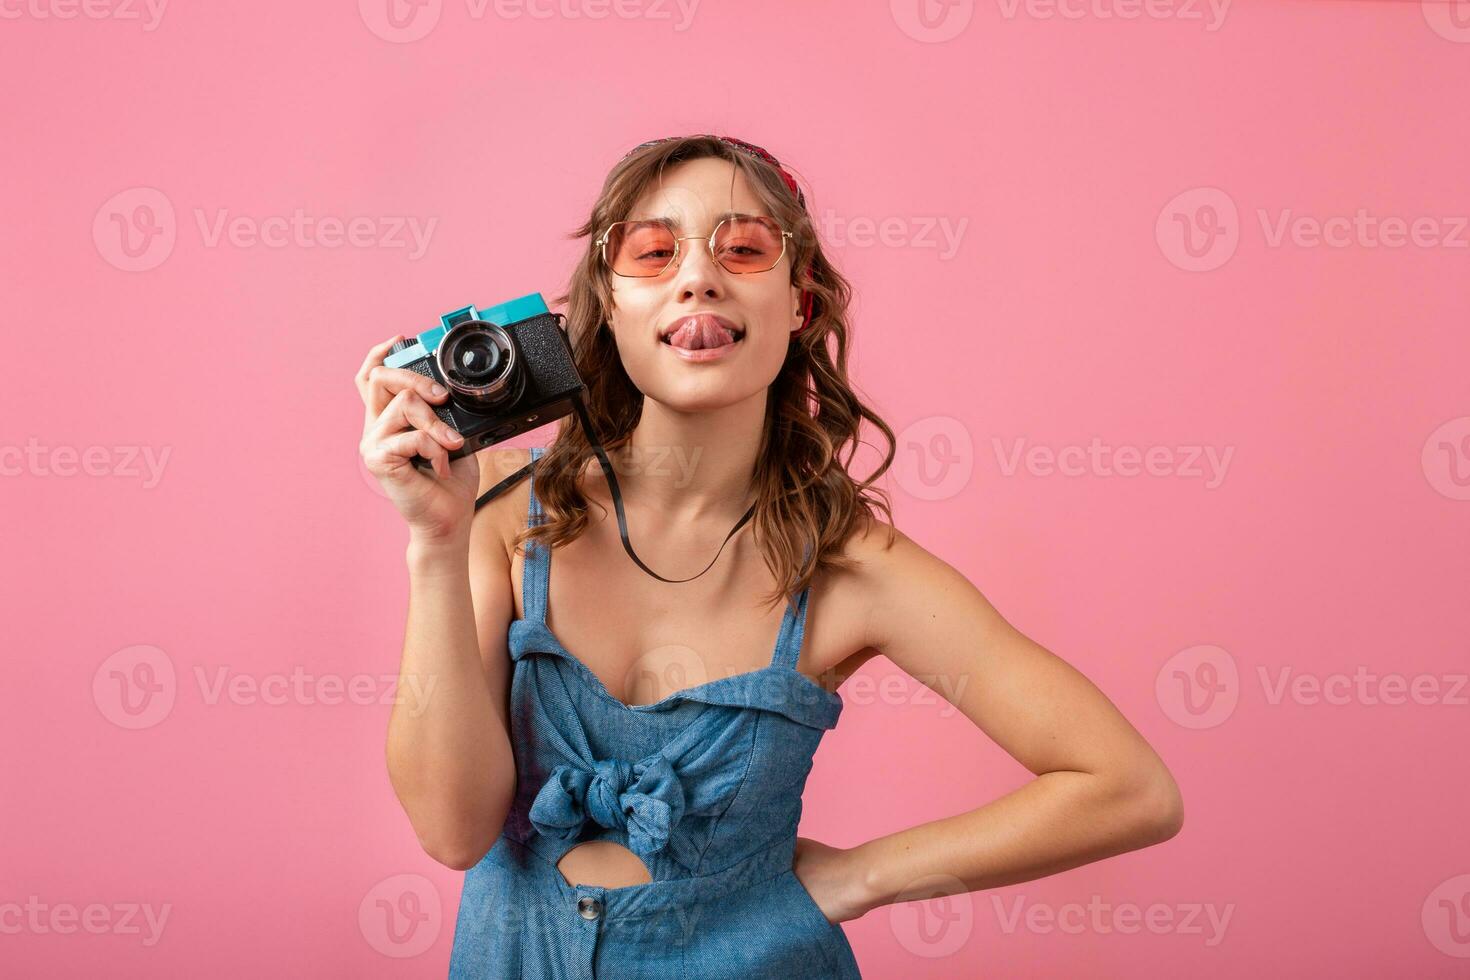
{"type": "Point", "coordinates": [508, 369]}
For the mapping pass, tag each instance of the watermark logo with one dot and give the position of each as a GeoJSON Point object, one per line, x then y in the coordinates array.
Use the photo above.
{"type": "Point", "coordinates": [406, 21]}
{"type": "Point", "coordinates": [1362, 230]}
{"type": "Point", "coordinates": [1445, 916]}
{"type": "Point", "coordinates": [660, 461]}
{"type": "Point", "coordinates": [1363, 687]}
{"type": "Point", "coordinates": [38, 918]}
{"type": "Point", "coordinates": [401, 915]}
{"type": "Point", "coordinates": [302, 688]}
{"type": "Point", "coordinates": [932, 21]}
{"type": "Point", "coordinates": [939, 233]}
{"type": "Point", "coordinates": [934, 458]}
{"type": "Point", "coordinates": [1450, 19]}
{"type": "Point", "coordinates": [145, 463]}
{"type": "Point", "coordinates": [680, 12]}
{"type": "Point", "coordinates": [923, 689]}
{"type": "Point", "coordinates": [674, 462]}
{"type": "Point", "coordinates": [400, 21]}
{"type": "Point", "coordinates": [933, 917]}
{"type": "Point", "coordinates": [135, 687]}
{"type": "Point", "coordinates": [1201, 686]}
{"type": "Point", "coordinates": [1210, 12]}
{"type": "Point", "coordinates": [305, 231]}
{"type": "Point", "coordinates": [149, 13]}
{"type": "Point", "coordinates": [1198, 687]}
{"type": "Point", "coordinates": [1446, 458]}
{"type": "Point", "coordinates": [663, 670]}
{"type": "Point", "coordinates": [372, 481]}
{"type": "Point", "coordinates": [135, 229]}
{"type": "Point", "coordinates": [1188, 462]}
{"type": "Point", "coordinates": [1199, 229]}
{"type": "Point", "coordinates": [1103, 918]}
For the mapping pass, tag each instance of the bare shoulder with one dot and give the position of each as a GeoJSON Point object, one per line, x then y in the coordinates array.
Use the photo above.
{"type": "Point", "coordinates": [895, 578]}
{"type": "Point", "coordinates": [492, 529]}
{"type": "Point", "coordinates": [501, 517]}
{"type": "Point", "coordinates": [839, 626]}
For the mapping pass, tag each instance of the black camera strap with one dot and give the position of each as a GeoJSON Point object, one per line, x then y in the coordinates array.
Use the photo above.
{"type": "Point", "coordinates": [617, 496]}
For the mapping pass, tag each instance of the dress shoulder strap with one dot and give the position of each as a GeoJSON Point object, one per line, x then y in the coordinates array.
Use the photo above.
{"type": "Point", "coordinates": [534, 513]}
{"type": "Point", "coordinates": [536, 572]}
{"type": "Point", "coordinates": [793, 628]}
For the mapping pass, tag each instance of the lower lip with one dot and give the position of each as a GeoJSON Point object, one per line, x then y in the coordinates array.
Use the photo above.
{"type": "Point", "coordinates": [707, 354]}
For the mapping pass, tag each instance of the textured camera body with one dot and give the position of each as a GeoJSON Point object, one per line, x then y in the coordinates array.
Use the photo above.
{"type": "Point", "coordinates": [530, 366]}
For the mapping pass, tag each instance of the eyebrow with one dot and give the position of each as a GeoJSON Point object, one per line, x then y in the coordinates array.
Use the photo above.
{"type": "Point", "coordinates": [665, 220]}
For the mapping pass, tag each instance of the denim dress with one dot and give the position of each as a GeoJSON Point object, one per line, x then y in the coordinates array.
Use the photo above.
{"type": "Point", "coordinates": [705, 786]}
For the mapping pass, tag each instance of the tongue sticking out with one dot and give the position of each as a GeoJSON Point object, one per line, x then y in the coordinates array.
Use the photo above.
{"type": "Point", "coordinates": [701, 334]}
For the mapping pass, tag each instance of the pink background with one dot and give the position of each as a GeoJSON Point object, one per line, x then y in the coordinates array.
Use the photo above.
{"type": "Point", "coordinates": [1321, 839]}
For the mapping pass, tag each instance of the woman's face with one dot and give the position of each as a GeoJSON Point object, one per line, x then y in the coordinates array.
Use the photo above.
{"type": "Point", "coordinates": [694, 195]}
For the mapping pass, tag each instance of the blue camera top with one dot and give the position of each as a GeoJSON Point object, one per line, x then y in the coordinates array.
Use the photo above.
{"type": "Point", "coordinates": [513, 311]}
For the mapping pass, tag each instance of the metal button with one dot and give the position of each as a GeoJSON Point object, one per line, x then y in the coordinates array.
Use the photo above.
{"type": "Point", "coordinates": [590, 908]}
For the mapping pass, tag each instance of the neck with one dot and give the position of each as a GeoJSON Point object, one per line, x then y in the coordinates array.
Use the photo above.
{"type": "Point", "coordinates": [692, 467]}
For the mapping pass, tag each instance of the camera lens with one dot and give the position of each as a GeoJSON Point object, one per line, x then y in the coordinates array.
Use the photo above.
{"type": "Point", "coordinates": [476, 359]}
{"type": "Point", "coordinates": [480, 366]}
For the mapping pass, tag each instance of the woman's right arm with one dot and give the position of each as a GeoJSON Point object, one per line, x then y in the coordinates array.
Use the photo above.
{"type": "Point", "coordinates": [449, 752]}
{"type": "Point", "coordinates": [448, 747]}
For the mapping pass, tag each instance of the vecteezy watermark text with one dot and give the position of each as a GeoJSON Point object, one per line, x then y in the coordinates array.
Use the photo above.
{"type": "Point", "coordinates": [1364, 686]}
{"type": "Point", "coordinates": [300, 687]}
{"type": "Point", "coordinates": [1200, 687]}
{"type": "Point", "coordinates": [115, 462]}
{"type": "Point", "coordinates": [125, 10]}
{"type": "Point", "coordinates": [136, 688]}
{"type": "Point", "coordinates": [1101, 917]}
{"type": "Point", "coordinates": [895, 231]}
{"type": "Point", "coordinates": [1210, 12]}
{"type": "Point", "coordinates": [937, 21]}
{"type": "Point", "coordinates": [136, 230]}
{"type": "Point", "coordinates": [36, 917]}
{"type": "Point", "coordinates": [406, 21]}
{"type": "Point", "coordinates": [301, 230]}
{"type": "Point", "coordinates": [1199, 230]}
{"type": "Point", "coordinates": [1363, 230]}
{"type": "Point", "coordinates": [1097, 459]}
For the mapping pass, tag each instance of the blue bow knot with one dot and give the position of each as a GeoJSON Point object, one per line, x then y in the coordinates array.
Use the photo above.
{"type": "Point", "coordinates": [645, 798]}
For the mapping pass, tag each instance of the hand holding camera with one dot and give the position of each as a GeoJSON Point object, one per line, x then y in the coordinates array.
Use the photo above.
{"type": "Point", "coordinates": [433, 401]}
{"type": "Point", "coordinates": [401, 427]}
{"type": "Point", "coordinates": [503, 371]}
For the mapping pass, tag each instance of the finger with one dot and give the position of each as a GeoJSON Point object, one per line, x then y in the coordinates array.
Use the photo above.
{"type": "Point", "coordinates": [407, 409]}
{"type": "Point", "coordinates": [384, 382]}
{"type": "Point", "coordinates": [398, 450]}
{"type": "Point", "coordinates": [375, 356]}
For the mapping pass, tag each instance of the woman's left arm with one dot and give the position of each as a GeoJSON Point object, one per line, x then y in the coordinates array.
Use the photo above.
{"type": "Point", "coordinates": [1100, 789]}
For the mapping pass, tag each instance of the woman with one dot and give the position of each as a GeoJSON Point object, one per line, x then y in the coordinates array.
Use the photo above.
{"type": "Point", "coordinates": [615, 758]}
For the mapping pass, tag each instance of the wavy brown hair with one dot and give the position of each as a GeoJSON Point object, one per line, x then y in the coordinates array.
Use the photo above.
{"type": "Point", "coordinates": [805, 495]}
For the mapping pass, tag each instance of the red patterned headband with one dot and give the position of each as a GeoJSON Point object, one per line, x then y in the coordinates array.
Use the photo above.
{"type": "Point", "coordinates": [750, 148]}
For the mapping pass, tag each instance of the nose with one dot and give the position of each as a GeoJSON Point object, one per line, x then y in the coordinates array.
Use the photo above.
{"type": "Point", "coordinates": [698, 275]}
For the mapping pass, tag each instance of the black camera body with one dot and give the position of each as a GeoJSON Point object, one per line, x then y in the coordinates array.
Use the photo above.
{"type": "Point", "coordinates": [509, 369]}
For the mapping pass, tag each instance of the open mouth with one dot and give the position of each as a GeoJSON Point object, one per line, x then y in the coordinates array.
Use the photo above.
{"type": "Point", "coordinates": [703, 333]}
{"type": "Point", "coordinates": [698, 343]}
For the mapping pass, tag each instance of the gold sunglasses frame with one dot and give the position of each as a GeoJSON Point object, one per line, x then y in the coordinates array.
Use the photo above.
{"type": "Point", "coordinates": [674, 259]}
